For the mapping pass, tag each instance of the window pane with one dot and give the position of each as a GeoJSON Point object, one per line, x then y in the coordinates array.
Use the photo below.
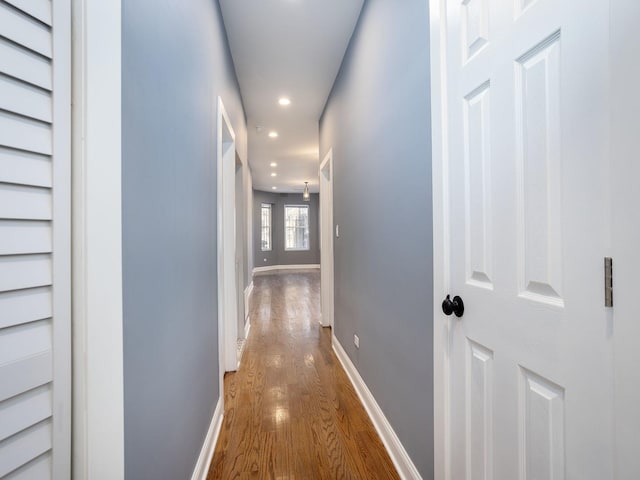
{"type": "Point", "coordinates": [296, 227]}
{"type": "Point", "coordinates": [266, 227]}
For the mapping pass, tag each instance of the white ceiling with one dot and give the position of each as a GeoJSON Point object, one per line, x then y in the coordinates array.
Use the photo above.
{"type": "Point", "coordinates": [290, 48]}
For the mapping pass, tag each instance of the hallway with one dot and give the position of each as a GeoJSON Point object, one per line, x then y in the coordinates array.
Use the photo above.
{"type": "Point", "coordinates": [290, 409]}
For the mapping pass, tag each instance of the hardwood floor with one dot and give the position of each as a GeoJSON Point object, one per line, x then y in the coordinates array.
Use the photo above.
{"type": "Point", "coordinates": [290, 410]}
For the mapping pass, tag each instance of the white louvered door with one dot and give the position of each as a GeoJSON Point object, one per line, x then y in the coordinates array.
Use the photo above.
{"type": "Point", "coordinates": [531, 358]}
{"type": "Point", "coordinates": [35, 344]}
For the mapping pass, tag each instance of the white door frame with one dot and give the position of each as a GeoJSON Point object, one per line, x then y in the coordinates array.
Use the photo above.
{"type": "Point", "coordinates": [441, 274]}
{"type": "Point", "coordinates": [227, 296]}
{"type": "Point", "coordinates": [326, 241]}
{"type": "Point", "coordinates": [98, 409]}
{"type": "Point", "coordinates": [62, 384]}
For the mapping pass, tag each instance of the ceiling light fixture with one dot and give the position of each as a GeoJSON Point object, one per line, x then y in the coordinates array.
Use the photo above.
{"type": "Point", "coordinates": [274, 174]}
{"type": "Point", "coordinates": [273, 164]}
{"type": "Point", "coordinates": [273, 134]}
{"type": "Point", "coordinates": [284, 101]}
{"type": "Point", "coordinates": [274, 188]}
{"type": "Point", "coordinates": [305, 194]}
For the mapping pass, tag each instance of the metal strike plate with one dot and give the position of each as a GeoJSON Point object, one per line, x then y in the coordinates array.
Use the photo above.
{"type": "Point", "coordinates": [608, 282]}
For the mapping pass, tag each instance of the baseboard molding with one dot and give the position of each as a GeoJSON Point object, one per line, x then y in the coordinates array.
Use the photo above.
{"type": "Point", "coordinates": [406, 469]}
{"type": "Point", "coordinates": [271, 268]}
{"type": "Point", "coordinates": [247, 301]}
{"type": "Point", "coordinates": [206, 454]}
{"type": "Point", "coordinates": [247, 328]}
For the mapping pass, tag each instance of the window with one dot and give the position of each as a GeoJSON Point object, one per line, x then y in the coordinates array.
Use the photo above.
{"type": "Point", "coordinates": [266, 227]}
{"type": "Point", "coordinates": [296, 227]}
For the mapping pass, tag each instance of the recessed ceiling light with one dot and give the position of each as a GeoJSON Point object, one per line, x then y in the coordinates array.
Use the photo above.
{"type": "Point", "coordinates": [274, 174]}
{"type": "Point", "coordinates": [284, 101]}
{"type": "Point", "coordinates": [273, 164]}
{"type": "Point", "coordinates": [274, 188]}
{"type": "Point", "coordinates": [273, 134]}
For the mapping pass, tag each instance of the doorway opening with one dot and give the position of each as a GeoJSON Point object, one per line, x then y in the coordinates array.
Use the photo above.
{"type": "Point", "coordinates": [326, 240]}
{"type": "Point", "coordinates": [227, 260]}
{"type": "Point", "coordinates": [240, 229]}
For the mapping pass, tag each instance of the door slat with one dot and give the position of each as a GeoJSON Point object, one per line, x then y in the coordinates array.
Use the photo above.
{"type": "Point", "coordinates": [25, 31]}
{"type": "Point", "coordinates": [25, 65]}
{"type": "Point", "coordinates": [25, 374]}
{"type": "Point", "coordinates": [25, 410]}
{"type": "Point", "coordinates": [26, 445]}
{"type": "Point", "coordinates": [22, 306]}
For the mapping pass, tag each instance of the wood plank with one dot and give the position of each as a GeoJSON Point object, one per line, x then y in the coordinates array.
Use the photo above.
{"type": "Point", "coordinates": [26, 340]}
{"type": "Point", "coordinates": [25, 271]}
{"type": "Point", "coordinates": [25, 168]}
{"type": "Point", "coordinates": [25, 65]}
{"type": "Point", "coordinates": [25, 236]}
{"type": "Point", "coordinates": [27, 374]}
{"type": "Point", "coordinates": [40, 9]}
{"type": "Point", "coordinates": [37, 469]}
{"type": "Point", "coordinates": [21, 98]}
{"type": "Point", "coordinates": [23, 411]}
{"type": "Point", "coordinates": [23, 202]}
{"type": "Point", "coordinates": [290, 409]}
{"type": "Point", "coordinates": [25, 134]}
{"type": "Point", "coordinates": [25, 446]}
{"type": "Point", "coordinates": [22, 306]}
{"type": "Point", "coordinates": [25, 31]}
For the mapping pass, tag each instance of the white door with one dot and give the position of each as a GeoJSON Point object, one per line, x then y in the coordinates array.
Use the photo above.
{"type": "Point", "coordinates": [625, 214]}
{"type": "Point", "coordinates": [530, 359]}
{"type": "Point", "coordinates": [326, 240]}
{"type": "Point", "coordinates": [35, 382]}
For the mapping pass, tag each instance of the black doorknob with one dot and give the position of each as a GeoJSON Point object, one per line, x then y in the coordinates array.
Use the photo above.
{"type": "Point", "coordinates": [453, 306]}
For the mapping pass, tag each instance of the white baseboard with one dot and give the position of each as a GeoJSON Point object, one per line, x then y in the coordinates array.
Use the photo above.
{"type": "Point", "coordinates": [406, 469]}
{"type": "Point", "coordinates": [247, 327]}
{"type": "Point", "coordinates": [209, 446]}
{"type": "Point", "coordinates": [247, 300]}
{"type": "Point", "coordinates": [285, 267]}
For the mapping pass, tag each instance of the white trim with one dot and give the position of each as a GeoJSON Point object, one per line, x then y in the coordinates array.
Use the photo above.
{"type": "Point", "coordinates": [247, 303]}
{"type": "Point", "coordinates": [440, 182]}
{"type": "Point", "coordinates": [271, 268]}
{"type": "Point", "coordinates": [206, 453]}
{"type": "Point", "coordinates": [247, 329]}
{"type": "Point", "coordinates": [405, 467]}
{"type": "Point", "coordinates": [227, 295]}
{"type": "Point", "coordinates": [61, 225]}
{"type": "Point", "coordinates": [270, 207]}
{"type": "Point", "coordinates": [326, 251]}
{"type": "Point", "coordinates": [98, 413]}
{"type": "Point", "coordinates": [284, 212]}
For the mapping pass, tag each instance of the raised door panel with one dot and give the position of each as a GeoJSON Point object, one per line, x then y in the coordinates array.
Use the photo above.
{"type": "Point", "coordinates": [542, 442]}
{"type": "Point", "coordinates": [540, 172]}
{"type": "Point", "coordinates": [475, 28]}
{"type": "Point", "coordinates": [479, 412]}
{"type": "Point", "coordinates": [477, 156]}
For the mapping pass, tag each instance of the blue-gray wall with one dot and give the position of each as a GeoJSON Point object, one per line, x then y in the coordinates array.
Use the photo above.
{"type": "Point", "coordinates": [377, 120]}
{"type": "Point", "coordinates": [175, 64]}
{"type": "Point", "coordinates": [278, 255]}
